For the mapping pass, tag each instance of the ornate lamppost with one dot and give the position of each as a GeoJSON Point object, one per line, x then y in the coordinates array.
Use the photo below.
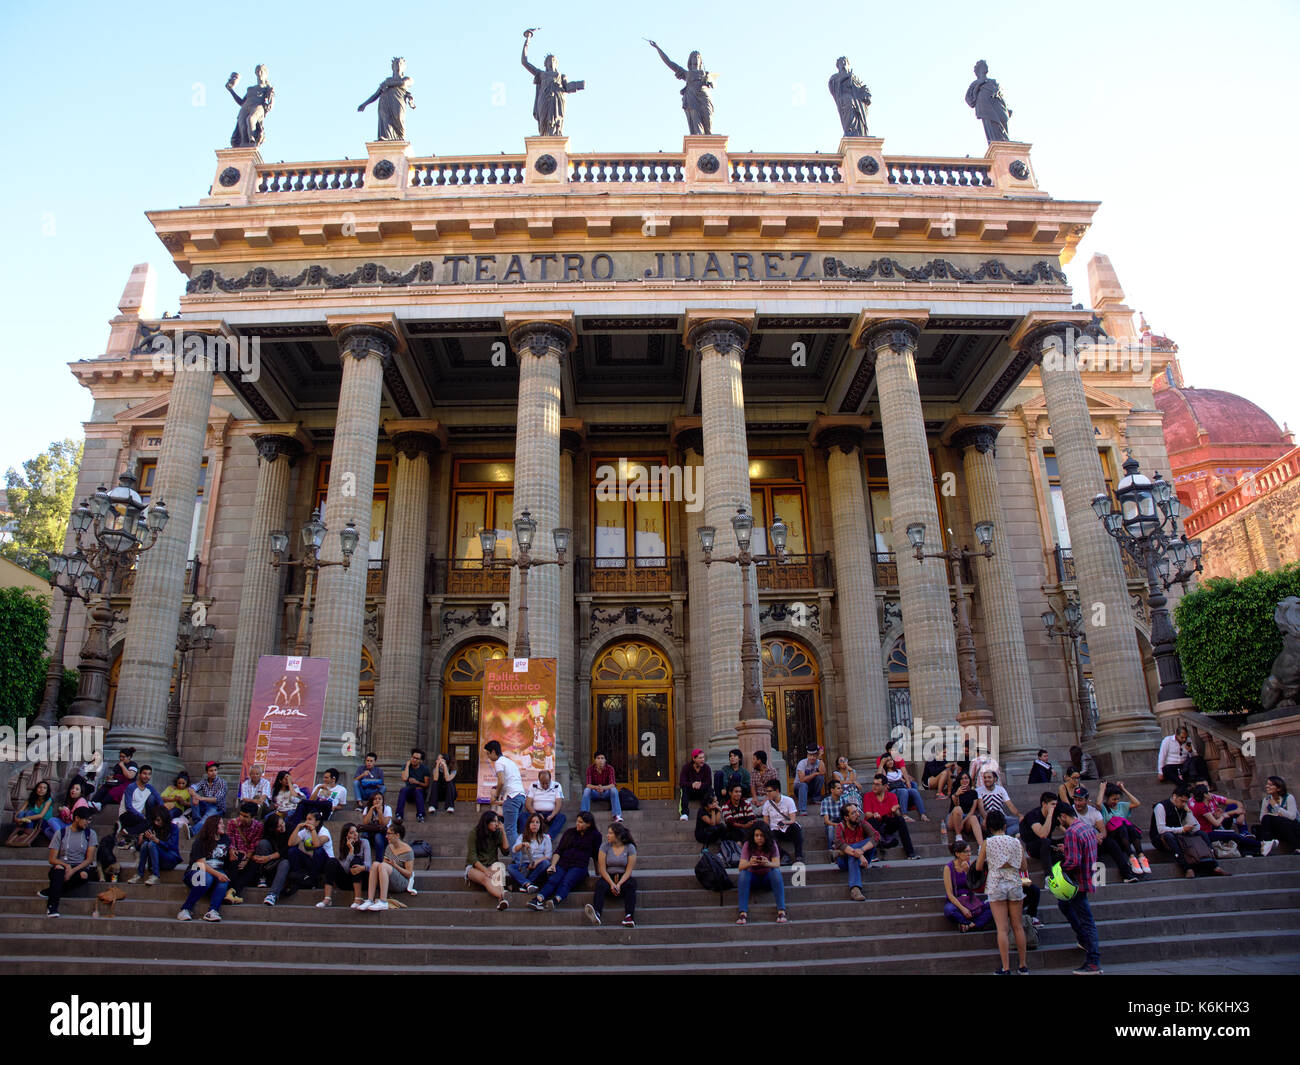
{"type": "Point", "coordinates": [1143, 519]}
{"type": "Point", "coordinates": [113, 528]}
{"type": "Point", "coordinates": [192, 634]}
{"type": "Point", "coordinates": [77, 583]}
{"type": "Point", "coordinates": [754, 730]}
{"type": "Point", "coordinates": [313, 538]}
{"type": "Point", "coordinates": [525, 527]}
{"type": "Point", "coordinates": [1069, 626]}
{"type": "Point", "coordinates": [974, 708]}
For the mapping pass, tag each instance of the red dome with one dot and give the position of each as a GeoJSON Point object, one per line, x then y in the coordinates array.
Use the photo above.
{"type": "Point", "coordinates": [1225, 418]}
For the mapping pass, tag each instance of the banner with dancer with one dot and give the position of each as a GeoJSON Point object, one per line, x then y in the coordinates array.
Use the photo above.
{"type": "Point", "coordinates": [284, 724]}
{"type": "Point", "coordinates": [518, 711]}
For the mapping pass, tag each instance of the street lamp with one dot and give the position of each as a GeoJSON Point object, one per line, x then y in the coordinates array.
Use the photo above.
{"type": "Point", "coordinates": [112, 529]}
{"type": "Point", "coordinates": [189, 637]}
{"type": "Point", "coordinates": [1069, 626]}
{"type": "Point", "coordinates": [525, 528]}
{"type": "Point", "coordinates": [1143, 519]}
{"type": "Point", "coordinates": [313, 539]}
{"type": "Point", "coordinates": [974, 708]}
{"type": "Point", "coordinates": [73, 579]}
{"type": "Point", "coordinates": [755, 730]}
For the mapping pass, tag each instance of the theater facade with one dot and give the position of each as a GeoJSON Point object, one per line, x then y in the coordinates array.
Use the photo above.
{"type": "Point", "coordinates": [631, 347]}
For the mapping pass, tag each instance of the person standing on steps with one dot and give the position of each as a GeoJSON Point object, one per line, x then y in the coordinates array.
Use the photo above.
{"type": "Point", "coordinates": [485, 847]}
{"type": "Point", "coordinates": [614, 864]}
{"type": "Point", "coordinates": [695, 783]}
{"type": "Point", "coordinates": [1004, 858]}
{"type": "Point", "coordinates": [601, 785]}
{"type": "Point", "coordinates": [415, 785]}
{"type": "Point", "coordinates": [509, 794]}
{"type": "Point", "coordinates": [1080, 855]}
{"type": "Point", "coordinates": [760, 867]}
{"type": "Point", "coordinates": [573, 855]}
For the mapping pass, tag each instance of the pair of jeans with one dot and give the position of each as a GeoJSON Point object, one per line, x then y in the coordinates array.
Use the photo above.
{"type": "Point", "coordinates": [205, 882]}
{"type": "Point", "coordinates": [1079, 914]}
{"type": "Point", "coordinates": [811, 790]}
{"type": "Point", "coordinates": [610, 796]}
{"type": "Point", "coordinates": [522, 875]}
{"type": "Point", "coordinates": [564, 881]}
{"type": "Point", "coordinates": [909, 797]}
{"type": "Point", "coordinates": [378, 841]}
{"type": "Point", "coordinates": [626, 892]}
{"type": "Point", "coordinates": [148, 858]}
{"type": "Point", "coordinates": [202, 812]}
{"type": "Point", "coordinates": [363, 789]}
{"type": "Point", "coordinates": [61, 884]}
{"type": "Point", "coordinates": [410, 793]}
{"type": "Point", "coordinates": [771, 881]}
{"type": "Point", "coordinates": [510, 810]}
{"type": "Point", "coordinates": [854, 867]}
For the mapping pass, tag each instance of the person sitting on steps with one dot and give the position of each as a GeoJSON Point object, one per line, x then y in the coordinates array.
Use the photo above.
{"type": "Point", "coordinates": [695, 783]}
{"type": "Point", "coordinates": [601, 785]}
{"type": "Point", "coordinates": [350, 868]}
{"type": "Point", "coordinates": [485, 847]}
{"type": "Point", "coordinates": [1172, 827]}
{"type": "Point", "coordinates": [573, 854]}
{"type": "Point", "coordinates": [782, 819]}
{"type": "Point", "coordinates": [760, 867]}
{"type": "Point", "coordinates": [855, 842]}
{"type": "Point", "coordinates": [444, 784]}
{"type": "Point", "coordinates": [964, 908]}
{"type": "Point", "coordinates": [395, 873]}
{"type": "Point", "coordinates": [615, 862]}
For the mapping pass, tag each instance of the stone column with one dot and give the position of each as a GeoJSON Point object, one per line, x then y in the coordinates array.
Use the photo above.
{"type": "Point", "coordinates": [720, 344]}
{"type": "Point", "coordinates": [540, 347]}
{"type": "Point", "coordinates": [1004, 635]}
{"type": "Point", "coordinates": [259, 595]}
{"type": "Point", "coordinates": [397, 699]}
{"type": "Point", "coordinates": [1127, 733]}
{"type": "Point", "coordinates": [699, 711]}
{"type": "Point", "coordinates": [339, 611]}
{"type": "Point", "coordinates": [855, 590]}
{"type": "Point", "coordinates": [567, 745]}
{"type": "Point", "coordinates": [140, 715]}
{"type": "Point", "coordinates": [923, 586]}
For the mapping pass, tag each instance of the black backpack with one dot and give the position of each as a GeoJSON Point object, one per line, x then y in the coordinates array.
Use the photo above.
{"type": "Point", "coordinates": [712, 874]}
{"type": "Point", "coordinates": [627, 800]}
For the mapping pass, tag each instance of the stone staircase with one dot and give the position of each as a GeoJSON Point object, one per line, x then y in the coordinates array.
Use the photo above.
{"type": "Point", "coordinates": [450, 928]}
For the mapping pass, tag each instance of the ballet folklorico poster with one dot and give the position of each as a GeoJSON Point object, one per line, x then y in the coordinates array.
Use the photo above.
{"type": "Point", "coordinates": [284, 723]}
{"type": "Point", "coordinates": [518, 711]}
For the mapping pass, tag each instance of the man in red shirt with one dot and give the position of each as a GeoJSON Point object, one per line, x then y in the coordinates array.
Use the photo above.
{"type": "Point", "coordinates": [880, 808]}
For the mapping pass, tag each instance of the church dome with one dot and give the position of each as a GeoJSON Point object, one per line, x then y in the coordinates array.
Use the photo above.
{"type": "Point", "coordinates": [1224, 418]}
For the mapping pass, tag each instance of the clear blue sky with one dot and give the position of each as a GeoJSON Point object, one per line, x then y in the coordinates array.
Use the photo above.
{"type": "Point", "coordinates": [1178, 117]}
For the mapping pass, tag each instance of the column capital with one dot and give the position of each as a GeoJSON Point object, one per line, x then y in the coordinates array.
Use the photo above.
{"type": "Point", "coordinates": [414, 443]}
{"type": "Point", "coordinates": [271, 446]}
{"type": "Point", "coordinates": [541, 336]}
{"type": "Point", "coordinates": [844, 431]}
{"type": "Point", "coordinates": [723, 336]}
{"type": "Point", "coordinates": [573, 435]}
{"type": "Point", "coordinates": [363, 339]}
{"type": "Point", "coordinates": [1041, 330]}
{"type": "Point", "coordinates": [895, 334]}
{"type": "Point", "coordinates": [415, 436]}
{"type": "Point", "coordinates": [687, 433]}
{"type": "Point", "coordinates": [981, 434]}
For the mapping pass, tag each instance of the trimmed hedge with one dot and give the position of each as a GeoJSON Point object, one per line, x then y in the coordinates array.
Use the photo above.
{"type": "Point", "coordinates": [1227, 640]}
{"type": "Point", "coordinates": [24, 622]}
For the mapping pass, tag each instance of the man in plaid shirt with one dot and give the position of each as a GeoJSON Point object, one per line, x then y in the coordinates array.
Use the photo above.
{"type": "Point", "coordinates": [833, 810]}
{"type": "Point", "coordinates": [1080, 856]}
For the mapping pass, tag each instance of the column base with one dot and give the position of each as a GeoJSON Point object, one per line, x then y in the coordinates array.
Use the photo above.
{"type": "Point", "coordinates": [1125, 752]}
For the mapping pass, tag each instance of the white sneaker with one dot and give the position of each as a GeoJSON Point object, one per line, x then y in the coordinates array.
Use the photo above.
{"type": "Point", "coordinates": [135, 879]}
{"type": "Point", "coordinates": [212, 915]}
{"type": "Point", "coordinates": [410, 890]}
{"type": "Point", "coordinates": [369, 904]}
{"type": "Point", "coordinates": [591, 913]}
{"type": "Point", "coordinates": [358, 906]}
{"type": "Point", "coordinates": [431, 810]}
{"type": "Point", "coordinates": [1267, 847]}
{"type": "Point", "coordinates": [379, 904]}
{"type": "Point", "coordinates": [185, 915]}
{"type": "Point", "coordinates": [618, 820]}
{"type": "Point", "coordinates": [323, 903]}
{"type": "Point", "coordinates": [683, 818]}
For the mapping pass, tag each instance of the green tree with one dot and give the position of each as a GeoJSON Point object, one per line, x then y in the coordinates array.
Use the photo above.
{"type": "Point", "coordinates": [1227, 639]}
{"type": "Point", "coordinates": [24, 622]}
{"type": "Point", "coordinates": [40, 499]}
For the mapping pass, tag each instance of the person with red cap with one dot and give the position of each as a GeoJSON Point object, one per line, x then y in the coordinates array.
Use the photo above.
{"type": "Point", "coordinates": [696, 783]}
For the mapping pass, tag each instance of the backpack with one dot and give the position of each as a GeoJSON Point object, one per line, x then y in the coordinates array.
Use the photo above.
{"type": "Point", "coordinates": [421, 848]}
{"type": "Point", "coordinates": [627, 800]}
{"type": "Point", "coordinates": [712, 874]}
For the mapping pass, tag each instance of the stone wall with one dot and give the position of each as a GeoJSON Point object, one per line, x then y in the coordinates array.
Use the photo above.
{"type": "Point", "coordinates": [1262, 535]}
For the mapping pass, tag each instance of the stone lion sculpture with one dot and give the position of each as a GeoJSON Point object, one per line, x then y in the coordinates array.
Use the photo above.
{"type": "Point", "coordinates": [1282, 688]}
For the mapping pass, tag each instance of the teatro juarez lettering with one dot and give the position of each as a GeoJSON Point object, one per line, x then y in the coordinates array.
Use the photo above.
{"type": "Point", "coordinates": [561, 267]}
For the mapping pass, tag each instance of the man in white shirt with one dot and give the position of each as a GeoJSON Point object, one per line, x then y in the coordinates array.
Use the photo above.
{"type": "Point", "coordinates": [780, 814]}
{"type": "Point", "coordinates": [509, 791]}
{"type": "Point", "coordinates": [256, 789]}
{"type": "Point", "coordinates": [810, 779]}
{"type": "Point", "coordinates": [1171, 825]}
{"type": "Point", "coordinates": [324, 799]}
{"type": "Point", "coordinates": [545, 798]}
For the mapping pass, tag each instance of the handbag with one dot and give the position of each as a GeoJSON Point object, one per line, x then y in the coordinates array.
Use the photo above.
{"type": "Point", "coordinates": [1225, 848]}
{"type": "Point", "coordinates": [1197, 849]}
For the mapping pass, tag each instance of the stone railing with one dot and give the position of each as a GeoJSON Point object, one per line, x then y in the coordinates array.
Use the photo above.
{"type": "Point", "coordinates": [776, 169]}
{"type": "Point", "coordinates": [1220, 743]}
{"type": "Point", "coordinates": [1271, 477]}
{"type": "Point", "coordinates": [473, 170]}
{"type": "Point", "coordinates": [634, 169]}
{"type": "Point", "coordinates": [314, 177]}
{"type": "Point", "coordinates": [949, 173]}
